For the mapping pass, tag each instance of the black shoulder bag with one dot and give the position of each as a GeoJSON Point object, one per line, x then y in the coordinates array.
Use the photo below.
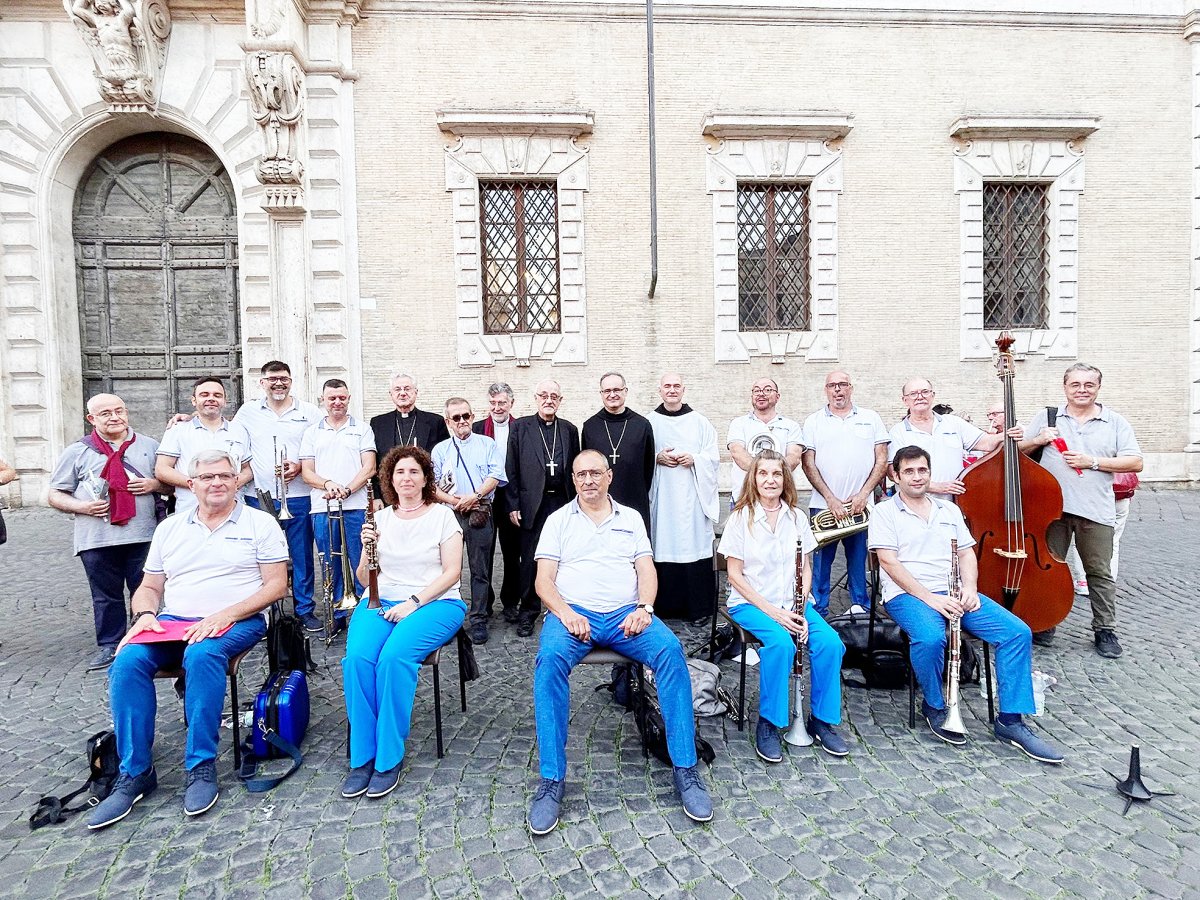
{"type": "Point", "coordinates": [103, 767]}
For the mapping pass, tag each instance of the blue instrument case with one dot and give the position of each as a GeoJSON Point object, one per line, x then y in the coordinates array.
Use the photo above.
{"type": "Point", "coordinates": [281, 707]}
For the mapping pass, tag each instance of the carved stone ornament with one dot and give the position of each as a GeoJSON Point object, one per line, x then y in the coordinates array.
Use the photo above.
{"type": "Point", "coordinates": [276, 85]}
{"type": "Point", "coordinates": [128, 41]}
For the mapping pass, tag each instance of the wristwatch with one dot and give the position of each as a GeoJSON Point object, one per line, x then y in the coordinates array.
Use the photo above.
{"type": "Point", "coordinates": [415, 599]}
{"type": "Point", "coordinates": [648, 607]}
{"type": "Point", "coordinates": [145, 612]}
{"type": "Point", "coordinates": [1095, 467]}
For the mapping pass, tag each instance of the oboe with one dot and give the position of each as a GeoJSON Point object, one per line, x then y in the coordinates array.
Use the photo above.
{"type": "Point", "coordinates": [372, 551]}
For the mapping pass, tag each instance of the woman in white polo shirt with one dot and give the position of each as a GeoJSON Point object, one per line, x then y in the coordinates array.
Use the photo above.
{"type": "Point", "coordinates": [420, 564]}
{"type": "Point", "coordinates": [760, 543]}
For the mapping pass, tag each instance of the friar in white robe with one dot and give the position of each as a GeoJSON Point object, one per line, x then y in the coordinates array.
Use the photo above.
{"type": "Point", "coordinates": [684, 508]}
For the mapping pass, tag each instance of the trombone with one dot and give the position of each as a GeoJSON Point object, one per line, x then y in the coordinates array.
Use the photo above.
{"type": "Point", "coordinates": [349, 595]}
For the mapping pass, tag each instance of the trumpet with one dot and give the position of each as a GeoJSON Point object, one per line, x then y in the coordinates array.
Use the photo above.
{"type": "Point", "coordinates": [826, 529]}
{"type": "Point", "coordinates": [281, 482]}
{"type": "Point", "coordinates": [797, 735]}
{"type": "Point", "coordinates": [954, 720]}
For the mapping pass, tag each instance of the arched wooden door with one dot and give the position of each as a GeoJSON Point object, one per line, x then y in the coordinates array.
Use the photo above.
{"type": "Point", "coordinates": [156, 252]}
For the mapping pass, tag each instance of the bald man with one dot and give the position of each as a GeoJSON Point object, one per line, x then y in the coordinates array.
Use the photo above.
{"type": "Point", "coordinates": [106, 480]}
{"type": "Point", "coordinates": [541, 449]}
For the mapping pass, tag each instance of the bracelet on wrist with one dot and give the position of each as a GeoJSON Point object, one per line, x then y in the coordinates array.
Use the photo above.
{"type": "Point", "coordinates": [145, 612]}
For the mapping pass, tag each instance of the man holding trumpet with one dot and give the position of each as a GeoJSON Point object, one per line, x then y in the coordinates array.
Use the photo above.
{"type": "Point", "coordinates": [276, 422]}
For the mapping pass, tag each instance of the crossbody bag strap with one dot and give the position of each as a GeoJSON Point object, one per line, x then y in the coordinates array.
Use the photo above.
{"type": "Point", "coordinates": [250, 764]}
{"type": "Point", "coordinates": [465, 469]}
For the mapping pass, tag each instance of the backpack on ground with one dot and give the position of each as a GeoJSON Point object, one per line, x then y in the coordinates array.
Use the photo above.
{"type": "Point", "coordinates": [104, 765]}
{"type": "Point", "coordinates": [641, 697]}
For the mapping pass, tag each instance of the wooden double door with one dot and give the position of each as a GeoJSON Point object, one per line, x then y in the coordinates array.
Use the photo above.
{"type": "Point", "coordinates": [155, 231]}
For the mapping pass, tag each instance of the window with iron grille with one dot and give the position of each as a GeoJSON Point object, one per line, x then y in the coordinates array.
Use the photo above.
{"type": "Point", "coordinates": [1016, 255]}
{"type": "Point", "coordinates": [519, 247]}
{"type": "Point", "coordinates": [773, 255]}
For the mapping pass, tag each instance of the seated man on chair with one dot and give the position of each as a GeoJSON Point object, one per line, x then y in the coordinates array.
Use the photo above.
{"type": "Point", "coordinates": [218, 567]}
{"type": "Point", "coordinates": [596, 578]}
{"type": "Point", "coordinates": [911, 534]}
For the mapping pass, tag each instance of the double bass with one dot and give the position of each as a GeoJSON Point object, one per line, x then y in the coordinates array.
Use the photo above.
{"type": "Point", "coordinates": [1009, 503]}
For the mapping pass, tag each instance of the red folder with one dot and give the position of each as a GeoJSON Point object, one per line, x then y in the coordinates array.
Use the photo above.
{"type": "Point", "coordinates": [173, 630]}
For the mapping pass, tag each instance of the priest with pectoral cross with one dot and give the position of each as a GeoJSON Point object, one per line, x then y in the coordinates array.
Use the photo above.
{"type": "Point", "coordinates": [541, 449]}
{"type": "Point", "coordinates": [627, 442]}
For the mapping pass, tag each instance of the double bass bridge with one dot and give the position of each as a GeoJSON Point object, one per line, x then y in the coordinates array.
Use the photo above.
{"type": "Point", "coordinates": [1010, 554]}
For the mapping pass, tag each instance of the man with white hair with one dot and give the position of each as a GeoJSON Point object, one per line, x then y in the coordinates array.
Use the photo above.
{"type": "Point", "coordinates": [405, 425]}
{"type": "Point", "coordinates": [106, 480]}
{"type": "Point", "coordinates": [209, 575]}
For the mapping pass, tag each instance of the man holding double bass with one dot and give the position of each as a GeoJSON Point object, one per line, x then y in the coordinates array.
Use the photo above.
{"type": "Point", "coordinates": [1095, 443]}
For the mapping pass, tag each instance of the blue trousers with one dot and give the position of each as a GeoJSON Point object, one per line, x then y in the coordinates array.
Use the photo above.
{"type": "Point", "coordinates": [560, 651]}
{"type": "Point", "coordinates": [379, 675]}
{"type": "Point", "coordinates": [299, 533]}
{"type": "Point", "coordinates": [775, 657]}
{"type": "Point", "coordinates": [856, 568]}
{"type": "Point", "coordinates": [926, 630]}
{"type": "Point", "coordinates": [134, 702]}
{"type": "Point", "coordinates": [353, 521]}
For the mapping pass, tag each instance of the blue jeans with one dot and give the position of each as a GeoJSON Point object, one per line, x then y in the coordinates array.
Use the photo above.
{"type": "Point", "coordinates": [110, 572]}
{"type": "Point", "coordinates": [353, 520]}
{"type": "Point", "coordinates": [926, 630]}
{"type": "Point", "coordinates": [299, 533]}
{"type": "Point", "coordinates": [379, 675]}
{"type": "Point", "coordinates": [206, 664]}
{"type": "Point", "coordinates": [825, 652]}
{"type": "Point", "coordinates": [856, 569]}
{"type": "Point", "coordinates": [559, 652]}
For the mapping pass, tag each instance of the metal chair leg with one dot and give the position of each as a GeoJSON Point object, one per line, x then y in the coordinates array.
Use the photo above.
{"type": "Point", "coordinates": [641, 677]}
{"type": "Point", "coordinates": [237, 724]}
{"type": "Point", "coordinates": [437, 708]}
{"type": "Point", "coordinates": [912, 688]}
{"type": "Point", "coordinates": [462, 673]}
{"type": "Point", "coordinates": [742, 692]}
{"type": "Point", "coordinates": [987, 674]}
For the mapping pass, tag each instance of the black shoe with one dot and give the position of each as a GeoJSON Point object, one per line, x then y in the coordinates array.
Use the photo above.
{"type": "Point", "coordinates": [936, 718]}
{"type": "Point", "coordinates": [512, 614]}
{"type": "Point", "coordinates": [1107, 644]}
{"type": "Point", "coordinates": [525, 624]}
{"type": "Point", "coordinates": [311, 623]}
{"type": "Point", "coordinates": [102, 660]}
{"type": "Point", "coordinates": [1044, 638]}
{"type": "Point", "coordinates": [478, 633]}
{"type": "Point", "coordinates": [383, 783]}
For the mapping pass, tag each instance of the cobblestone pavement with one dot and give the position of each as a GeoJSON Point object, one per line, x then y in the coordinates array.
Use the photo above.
{"type": "Point", "coordinates": [903, 815]}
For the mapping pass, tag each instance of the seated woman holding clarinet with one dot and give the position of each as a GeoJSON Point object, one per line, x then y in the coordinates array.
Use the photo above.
{"type": "Point", "coordinates": [766, 540]}
{"type": "Point", "coordinates": [417, 546]}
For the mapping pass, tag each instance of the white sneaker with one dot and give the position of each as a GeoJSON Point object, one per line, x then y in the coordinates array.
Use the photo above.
{"type": "Point", "coordinates": [1081, 586]}
{"type": "Point", "coordinates": [857, 610]}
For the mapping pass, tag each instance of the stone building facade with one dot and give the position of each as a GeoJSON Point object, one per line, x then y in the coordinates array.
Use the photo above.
{"type": "Point", "coordinates": [189, 185]}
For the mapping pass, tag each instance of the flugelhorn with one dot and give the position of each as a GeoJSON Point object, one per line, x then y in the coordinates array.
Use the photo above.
{"type": "Point", "coordinates": [280, 482]}
{"type": "Point", "coordinates": [954, 720]}
{"type": "Point", "coordinates": [827, 529]}
{"type": "Point", "coordinates": [797, 735]}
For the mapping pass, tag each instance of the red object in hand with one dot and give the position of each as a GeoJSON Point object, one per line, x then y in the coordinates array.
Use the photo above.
{"type": "Point", "coordinates": [1061, 446]}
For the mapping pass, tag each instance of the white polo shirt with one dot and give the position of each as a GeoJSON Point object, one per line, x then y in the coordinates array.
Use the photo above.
{"type": "Point", "coordinates": [208, 571]}
{"type": "Point", "coordinates": [595, 562]}
{"type": "Point", "coordinates": [922, 546]}
{"type": "Point", "coordinates": [264, 427]}
{"type": "Point", "coordinates": [337, 456]}
{"type": "Point", "coordinates": [186, 440]}
{"type": "Point", "coordinates": [952, 437]}
{"type": "Point", "coordinates": [755, 435]}
{"type": "Point", "coordinates": [768, 557]}
{"type": "Point", "coordinates": [844, 448]}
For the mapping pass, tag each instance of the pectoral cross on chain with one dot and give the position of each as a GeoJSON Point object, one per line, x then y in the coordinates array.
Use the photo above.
{"type": "Point", "coordinates": [550, 466]}
{"type": "Point", "coordinates": [614, 456]}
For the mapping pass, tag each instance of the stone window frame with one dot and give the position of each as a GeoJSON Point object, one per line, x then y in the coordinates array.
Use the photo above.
{"type": "Point", "coordinates": [787, 147]}
{"type": "Point", "coordinates": [1044, 149]}
{"type": "Point", "coordinates": [498, 144]}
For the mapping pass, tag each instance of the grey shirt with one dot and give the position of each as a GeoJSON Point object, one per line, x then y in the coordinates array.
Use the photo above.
{"type": "Point", "coordinates": [1109, 434]}
{"type": "Point", "coordinates": [69, 476]}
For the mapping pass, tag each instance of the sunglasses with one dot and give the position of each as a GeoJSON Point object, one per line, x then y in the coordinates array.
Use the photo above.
{"type": "Point", "coordinates": [462, 417]}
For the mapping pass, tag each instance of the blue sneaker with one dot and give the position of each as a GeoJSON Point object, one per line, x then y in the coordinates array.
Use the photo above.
{"type": "Point", "coordinates": [827, 737]}
{"type": "Point", "coordinates": [766, 742]}
{"type": "Point", "coordinates": [201, 792]}
{"type": "Point", "coordinates": [936, 718]}
{"type": "Point", "coordinates": [127, 791]}
{"type": "Point", "coordinates": [543, 811]}
{"type": "Point", "coordinates": [1021, 735]}
{"type": "Point", "coordinates": [357, 781]}
{"type": "Point", "coordinates": [383, 783]}
{"type": "Point", "coordinates": [693, 794]}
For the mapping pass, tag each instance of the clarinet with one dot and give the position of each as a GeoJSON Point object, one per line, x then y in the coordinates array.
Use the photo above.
{"type": "Point", "coordinates": [372, 551]}
{"type": "Point", "coordinates": [953, 716]}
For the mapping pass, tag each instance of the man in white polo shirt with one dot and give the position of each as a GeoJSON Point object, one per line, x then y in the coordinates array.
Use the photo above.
{"type": "Point", "coordinates": [845, 456]}
{"type": "Point", "coordinates": [596, 579]}
{"type": "Point", "coordinates": [276, 422]}
{"type": "Point", "coordinates": [218, 566]}
{"type": "Point", "coordinates": [337, 458]}
{"type": "Point", "coordinates": [762, 429]}
{"type": "Point", "coordinates": [911, 533]}
{"type": "Point", "coordinates": [207, 430]}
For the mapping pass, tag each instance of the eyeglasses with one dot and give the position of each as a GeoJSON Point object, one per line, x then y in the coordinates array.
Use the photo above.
{"type": "Point", "coordinates": [838, 386]}
{"type": "Point", "coordinates": [545, 396]}
{"type": "Point", "coordinates": [117, 413]}
{"type": "Point", "coordinates": [924, 393]}
{"type": "Point", "coordinates": [283, 379]}
{"type": "Point", "coordinates": [589, 475]}
{"type": "Point", "coordinates": [461, 417]}
{"type": "Point", "coordinates": [210, 477]}
{"type": "Point", "coordinates": [762, 392]}
{"type": "Point", "coordinates": [619, 390]}
{"type": "Point", "coordinates": [1082, 386]}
